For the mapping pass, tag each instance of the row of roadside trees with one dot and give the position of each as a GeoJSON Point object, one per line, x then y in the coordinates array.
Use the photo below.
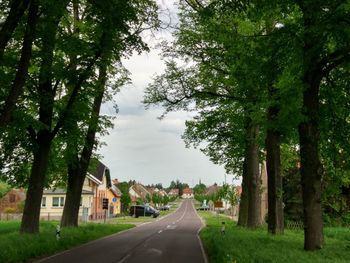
{"type": "Point", "coordinates": [268, 80]}
{"type": "Point", "coordinates": [59, 60]}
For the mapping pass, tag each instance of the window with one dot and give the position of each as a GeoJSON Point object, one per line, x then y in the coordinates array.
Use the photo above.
{"type": "Point", "coordinates": [43, 202]}
{"type": "Point", "coordinates": [57, 201]}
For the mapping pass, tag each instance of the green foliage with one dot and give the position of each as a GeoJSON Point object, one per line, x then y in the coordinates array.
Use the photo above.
{"type": "Point", "coordinates": [243, 245]}
{"type": "Point", "coordinates": [125, 198]}
{"type": "Point", "coordinates": [199, 189]}
{"type": "Point", "coordinates": [4, 188]}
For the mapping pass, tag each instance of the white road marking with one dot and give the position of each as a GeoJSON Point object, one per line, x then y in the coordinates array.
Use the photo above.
{"type": "Point", "coordinates": [124, 258]}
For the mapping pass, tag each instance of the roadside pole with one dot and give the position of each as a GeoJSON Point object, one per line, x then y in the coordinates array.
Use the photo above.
{"type": "Point", "coordinates": [105, 207]}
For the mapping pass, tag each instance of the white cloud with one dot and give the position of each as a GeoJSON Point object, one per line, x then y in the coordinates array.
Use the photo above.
{"type": "Point", "coordinates": [143, 148]}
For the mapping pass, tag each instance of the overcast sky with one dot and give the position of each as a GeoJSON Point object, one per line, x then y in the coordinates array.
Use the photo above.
{"type": "Point", "coordinates": [144, 148]}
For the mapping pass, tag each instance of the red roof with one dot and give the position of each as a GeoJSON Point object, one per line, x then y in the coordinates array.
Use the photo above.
{"type": "Point", "coordinates": [187, 191]}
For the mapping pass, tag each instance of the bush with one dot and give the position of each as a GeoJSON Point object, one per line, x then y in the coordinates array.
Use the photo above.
{"type": "Point", "coordinates": [10, 210]}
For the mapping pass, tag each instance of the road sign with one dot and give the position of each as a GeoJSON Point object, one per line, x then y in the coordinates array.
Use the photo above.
{"type": "Point", "coordinates": [114, 199]}
{"type": "Point", "coordinates": [218, 204]}
{"type": "Point", "coordinates": [105, 203]}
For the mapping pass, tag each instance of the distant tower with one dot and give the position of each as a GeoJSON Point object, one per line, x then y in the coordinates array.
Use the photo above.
{"type": "Point", "coordinates": [200, 182]}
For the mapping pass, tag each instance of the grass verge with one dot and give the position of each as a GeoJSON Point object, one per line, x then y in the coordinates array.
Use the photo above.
{"type": "Point", "coordinates": [240, 245]}
{"type": "Point", "coordinates": [20, 248]}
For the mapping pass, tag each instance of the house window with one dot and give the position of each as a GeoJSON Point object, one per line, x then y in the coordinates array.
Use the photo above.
{"type": "Point", "coordinates": [57, 201]}
{"type": "Point", "coordinates": [12, 198]}
{"type": "Point", "coordinates": [43, 202]}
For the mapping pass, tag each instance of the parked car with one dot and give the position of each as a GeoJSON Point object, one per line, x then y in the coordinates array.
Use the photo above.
{"type": "Point", "coordinates": [203, 207]}
{"type": "Point", "coordinates": [143, 210]}
{"type": "Point", "coordinates": [164, 207]}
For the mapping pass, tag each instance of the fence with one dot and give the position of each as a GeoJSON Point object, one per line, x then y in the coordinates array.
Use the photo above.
{"type": "Point", "coordinates": [294, 225]}
{"type": "Point", "coordinates": [10, 216]}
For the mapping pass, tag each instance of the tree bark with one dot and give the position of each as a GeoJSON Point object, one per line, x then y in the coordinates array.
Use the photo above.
{"type": "Point", "coordinates": [309, 134]}
{"type": "Point", "coordinates": [311, 170]}
{"type": "Point", "coordinates": [74, 189]}
{"type": "Point", "coordinates": [275, 200]}
{"type": "Point", "coordinates": [254, 180]}
{"type": "Point", "coordinates": [31, 211]}
{"type": "Point", "coordinates": [273, 165]}
{"type": "Point", "coordinates": [17, 9]}
{"type": "Point", "coordinates": [21, 74]}
{"type": "Point", "coordinates": [78, 167]}
{"type": "Point", "coordinates": [31, 214]}
{"type": "Point", "coordinates": [243, 204]}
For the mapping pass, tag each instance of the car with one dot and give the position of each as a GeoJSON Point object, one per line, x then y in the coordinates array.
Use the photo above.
{"type": "Point", "coordinates": [164, 207]}
{"type": "Point", "coordinates": [143, 210]}
{"type": "Point", "coordinates": [203, 207]}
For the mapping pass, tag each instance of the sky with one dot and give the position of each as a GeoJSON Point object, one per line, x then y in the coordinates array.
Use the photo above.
{"type": "Point", "coordinates": [143, 148]}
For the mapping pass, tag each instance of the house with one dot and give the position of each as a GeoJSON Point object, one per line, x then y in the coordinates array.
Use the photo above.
{"type": "Point", "coordinates": [53, 200]}
{"type": "Point", "coordinates": [13, 201]}
{"type": "Point", "coordinates": [173, 192]}
{"type": "Point", "coordinates": [213, 189]}
{"type": "Point", "coordinates": [97, 186]}
{"type": "Point", "coordinates": [187, 193]}
{"type": "Point", "coordinates": [138, 192]}
{"type": "Point", "coordinates": [114, 195]}
{"type": "Point", "coordinates": [101, 174]}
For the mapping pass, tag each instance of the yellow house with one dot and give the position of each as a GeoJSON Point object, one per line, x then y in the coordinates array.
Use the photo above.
{"type": "Point", "coordinates": [97, 186]}
{"type": "Point", "coordinates": [114, 196]}
{"type": "Point", "coordinates": [52, 204]}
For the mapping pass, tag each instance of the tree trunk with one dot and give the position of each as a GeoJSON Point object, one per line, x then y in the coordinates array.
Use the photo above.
{"type": "Point", "coordinates": [30, 220]}
{"type": "Point", "coordinates": [275, 200]}
{"type": "Point", "coordinates": [21, 74]}
{"type": "Point", "coordinates": [243, 204]}
{"type": "Point", "coordinates": [31, 212]}
{"type": "Point", "coordinates": [74, 189]}
{"type": "Point", "coordinates": [254, 180]}
{"type": "Point", "coordinates": [311, 169]}
{"type": "Point", "coordinates": [78, 168]}
{"type": "Point", "coordinates": [17, 9]}
{"type": "Point", "coordinates": [274, 177]}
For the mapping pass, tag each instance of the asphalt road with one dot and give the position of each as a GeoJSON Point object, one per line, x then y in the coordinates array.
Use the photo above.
{"type": "Point", "coordinates": [171, 239]}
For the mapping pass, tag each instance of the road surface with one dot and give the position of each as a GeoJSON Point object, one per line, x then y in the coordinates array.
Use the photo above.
{"type": "Point", "coordinates": [171, 239]}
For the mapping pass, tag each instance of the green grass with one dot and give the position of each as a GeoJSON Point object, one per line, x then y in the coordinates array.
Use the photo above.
{"type": "Point", "coordinates": [20, 248]}
{"type": "Point", "coordinates": [241, 245]}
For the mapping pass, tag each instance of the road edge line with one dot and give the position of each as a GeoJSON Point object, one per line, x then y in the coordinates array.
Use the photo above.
{"type": "Point", "coordinates": [205, 256]}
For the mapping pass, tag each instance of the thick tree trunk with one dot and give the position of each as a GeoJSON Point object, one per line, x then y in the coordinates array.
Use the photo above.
{"type": "Point", "coordinates": [30, 220]}
{"type": "Point", "coordinates": [17, 86]}
{"type": "Point", "coordinates": [78, 167]}
{"type": "Point", "coordinates": [243, 204]}
{"type": "Point", "coordinates": [274, 177]}
{"type": "Point", "coordinates": [17, 9]}
{"type": "Point", "coordinates": [311, 169]}
{"type": "Point", "coordinates": [74, 189]}
{"type": "Point", "coordinates": [275, 199]}
{"type": "Point", "coordinates": [31, 212]}
{"type": "Point", "coordinates": [309, 135]}
{"type": "Point", "coordinates": [254, 180]}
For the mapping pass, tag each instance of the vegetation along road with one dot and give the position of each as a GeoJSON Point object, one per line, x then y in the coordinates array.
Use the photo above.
{"type": "Point", "coordinates": [170, 239]}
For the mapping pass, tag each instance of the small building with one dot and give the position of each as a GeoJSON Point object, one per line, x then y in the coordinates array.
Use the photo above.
{"type": "Point", "coordinates": [139, 192]}
{"type": "Point", "coordinates": [97, 186]}
{"type": "Point", "coordinates": [174, 192]}
{"type": "Point", "coordinates": [114, 195]}
{"type": "Point", "coordinates": [52, 203]}
{"type": "Point", "coordinates": [13, 201]}
{"type": "Point", "coordinates": [187, 193]}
